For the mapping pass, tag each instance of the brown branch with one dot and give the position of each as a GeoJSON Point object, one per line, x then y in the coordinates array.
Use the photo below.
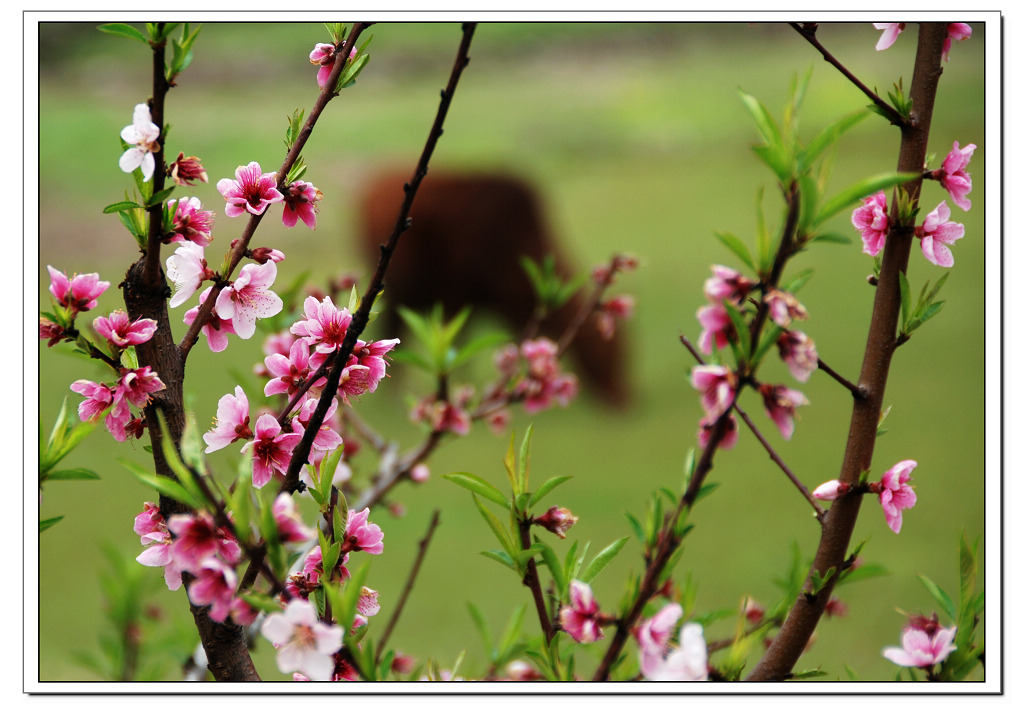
{"type": "Point", "coordinates": [837, 527]}
{"type": "Point", "coordinates": [435, 519]}
{"type": "Point", "coordinates": [532, 581]}
{"type": "Point", "coordinates": [857, 393]}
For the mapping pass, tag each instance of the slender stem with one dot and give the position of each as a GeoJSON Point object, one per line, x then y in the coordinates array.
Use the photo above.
{"type": "Point", "coordinates": [808, 32]}
{"type": "Point", "coordinates": [532, 580]}
{"type": "Point", "coordinates": [854, 389]}
{"type": "Point", "coordinates": [837, 527]}
{"type": "Point", "coordinates": [361, 317]}
{"type": "Point", "coordinates": [435, 519]}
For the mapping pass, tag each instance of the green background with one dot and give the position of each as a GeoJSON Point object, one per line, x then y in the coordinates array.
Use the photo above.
{"type": "Point", "coordinates": [636, 138]}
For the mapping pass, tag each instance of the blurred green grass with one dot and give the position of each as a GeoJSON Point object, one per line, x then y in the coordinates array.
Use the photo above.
{"type": "Point", "coordinates": [637, 139]}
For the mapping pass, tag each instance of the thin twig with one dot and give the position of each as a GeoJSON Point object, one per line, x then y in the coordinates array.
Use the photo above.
{"type": "Point", "coordinates": [858, 394]}
{"type": "Point", "coordinates": [435, 519]}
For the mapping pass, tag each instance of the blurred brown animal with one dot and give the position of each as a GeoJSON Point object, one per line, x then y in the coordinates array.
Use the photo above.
{"type": "Point", "coordinates": [464, 247]}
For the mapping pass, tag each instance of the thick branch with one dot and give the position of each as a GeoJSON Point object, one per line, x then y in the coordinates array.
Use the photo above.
{"type": "Point", "coordinates": [837, 527]}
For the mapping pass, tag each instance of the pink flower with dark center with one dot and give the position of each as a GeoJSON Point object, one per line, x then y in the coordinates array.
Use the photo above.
{"type": "Point", "coordinates": [303, 643]}
{"type": "Point", "coordinates": [798, 352]}
{"type": "Point", "coordinates": [78, 293]}
{"type": "Point", "coordinates": [191, 222]}
{"type": "Point", "coordinates": [361, 534]}
{"type": "Point", "coordinates": [249, 298]}
{"type": "Point", "coordinates": [718, 383]}
{"type": "Point", "coordinates": [136, 385]}
{"type": "Point", "coordinates": [729, 439]}
{"type": "Point", "coordinates": [781, 403]}
{"type": "Point", "coordinates": [250, 191]}
{"type": "Point", "coordinates": [216, 329]}
{"type": "Point", "coordinates": [186, 170]}
{"type": "Point", "coordinates": [187, 270]}
{"type": "Point", "coordinates": [872, 222]}
{"type": "Point", "coordinates": [894, 494]}
{"type": "Point", "coordinates": [355, 380]}
{"type": "Point", "coordinates": [98, 398]}
{"type": "Point", "coordinates": [925, 643]}
{"type": "Point", "coordinates": [199, 539]}
{"type": "Point", "coordinates": [653, 634]}
{"type": "Point", "coordinates": [323, 54]}
{"type": "Point", "coordinates": [121, 331]}
{"type": "Point", "coordinates": [324, 324]}
{"type": "Point", "coordinates": [300, 203]}
{"type": "Point", "coordinates": [142, 135]}
{"type": "Point", "coordinates": [581, 618]}
{"type": "Point", "coordinates": [51, 332]}
{"type": "Point", "coordinates": [937, 234]}
{"type": "Point", "coordinates": [784, 307]}
{"type": "Point", "coordinates": [214, 586]}
{"type": "Point", "coordinates": [271, 450]}
{"type": "Point", "coordinates": [954, 177]}
{"type": "Point", "coordinates": [291, 371]}
{"type": "Point", "coordinates": [371, 355]}
{"type": "Point", "coordinates": [958, 31]}
{"type": "Point", "coordinates": [150, 524]}
{"type": "Point", "coordinates": [717, 328]}
{"type": "Point", "coordinates": [326, 438]}
{"type": "Point", "coordinates": [727, 284]}
{"type": "Point", "coordinates": [290, 527]}
{"type": "Point", "coordinates": [890, 31]}
{"type": "Point", "coordinates": [232, 421]}
{"type": "Point", "coordinates": [688, 662]}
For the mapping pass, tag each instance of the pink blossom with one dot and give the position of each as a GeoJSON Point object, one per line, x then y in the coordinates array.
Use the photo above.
{"type": "Point", "coordinates": [323, 54]}
{"type": "Point", "coordinates": [326, 438]}
{"type": "Point", "coordinates": [142, 135]}
{"type": "Point", "coordinates": [232, 421]}
{"type": "Point", "coordinates": [263, 254]}
{"type": "Point", "coordinates": [958, 31]}
{"type": "Point", "coordinates": [216, 329]}
{"type": "Point", "coordinates": [249, 298]}
{"type": "Point", "coordinates": [618, 308]}
{"type": "Point", "coordinates": [717, 328]}
{"type": "Point", "coordinates": [250, 191]}
{"type": "Point", "coordinates": [303, 643]}
{"type": "Point", "coordinates": [653, 634]}
{"type": "Point", "coordinates": [872, 222]}
{"type": "Point", "coordinates": [214, 586]}
{"type": "Point", "coordinates": [925, 643]}
{"type": "Point", "coordinates": [51, 332]}
{"type": "Point", "coordinates": [831, 490]}
{"type": "Point", "coordinates": [291, 371]}
{"type": "Point", "coordinates": [727, 284]}
{"type": "Point", "coordinates": [729, 439]}
{"type": "Point", "coordinates": [798, 352]}
{"type": "Point", "coordinates": [271, 450]}
{"type": "Point", "coordinates": [199, 539]}
{"type": "Point", "coordinates": [442, 416]}
{"type": "Point", "coordinates": [159, 554]}
{"type": "Point", "coordinates": [136, 385]}
{"type": "Point", "coordinates": [781, 403]}
{"type": "Point", "coordinates": [78, 293]}
{"type": "Point", "coordinates": [419, 473]}
{"type": "Point", "coordinates": [98, 398]}
{"type": "Point", "coordinates": [191, 222]}
{"type": "Point", "coordinates": [300, 203]}
{"type": "Point", "coordinates": [954, 177]}
{"type": "Point", "coordinates": [361, 534]}
{"type": "Point", "coordinates": [324, 324]}
{"type": "Point", "coordinates": [121, 331]}
{"type": "Point", "coordinates": [688, 662]}
{"type": "Point", "coordinates": [367, 604]}
{"type": "Point", "coordinates": [290, 526]}
{"type": "Point", "coordinates": [150, 523]}
{"type": "Point", "coordinates": [544, 381]}
{"type": "Point", "coordinates": [894, 494]}
{"type": "Point", "coordinates": [242, 613]}
{"type": "Point", "coordinates": [581, 617]}
{"type": "Point", "coordinates": [891, 30]}
{"type": "Point", "coordinates": [355, 380]}
{"type": "Point", "coordinates": [186, 170]}
{"type": "Point", "coordinates": [557, 520]}
{"type": "Point", "coordinates": [784, 307]}
{"type": "Point", "coordinates": [937, 233]}
{"type": "Point", "coordinates": [187, 270]}
{"type": "Point", "coordinates": [718, 383]}
{"type": "Point", "coordinates": [372, 356]}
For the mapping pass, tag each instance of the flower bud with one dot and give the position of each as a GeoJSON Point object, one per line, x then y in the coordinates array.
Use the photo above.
{"type": "Point", "coordinates": [832, 489]}
{"type": "Point", "coordinates": [557, 520]}
{"type": "Point", "coordinates": [186, 169]}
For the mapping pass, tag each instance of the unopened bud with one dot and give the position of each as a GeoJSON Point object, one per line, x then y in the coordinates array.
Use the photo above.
{"type": "Point", "coordinates": [832, 489]}
{"type": "Point", "coordinates": [557, 520]}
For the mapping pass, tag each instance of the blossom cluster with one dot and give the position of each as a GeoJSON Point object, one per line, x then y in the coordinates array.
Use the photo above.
{"type": "Point", "coordinates": [894, 493]}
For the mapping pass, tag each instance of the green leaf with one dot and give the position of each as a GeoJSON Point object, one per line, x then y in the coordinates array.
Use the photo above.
{"type": "Point", "coordinates": [479, 486]}
{"type": "Point", "coordinates": [523, 474]}
{"type": "Point", "coordinates": [603, 559]}
{"type": "Point", "coordinates": [45, 524]}
{"type": "Point", "coordinates": [501, 557]}
{"type": "Point", "coordinates": [475, 346]}
{"type": "Point", "coordinates": [551, 561]}
{"type": "Point", "coordinates": [120, 29]}
{"type": "Point", "coordinates": [72, 474]}
{"type": "Point", "coordinates": [165, 486]}
{"type": "Point", "coordinates": [129, 358]}
{"type": "Point", "coordinates": [483, 630]}
{"type": "Point", "coordinates": [943, 599]}
{"type": "Point", "coordinates": [734, 244]}
{"type": "Point", "coordinates": [904, 301]}
{"type": "Point", "coordinates": [504, 538]}
{"type": "Point", "coordinates": [831, 237]}
{"type": "Point", "coordinates": [860, 190]}
{"type": "Point", "coordinates": [510, 636]}
{"type": "Point", "coordinates": [766, 126]}
{"type": "Point", "coordinates": [120, 206]}
{"type": "Point", "coordinates": [547, 487]}
{"type": "Point", "coordinates": [829, 136]}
